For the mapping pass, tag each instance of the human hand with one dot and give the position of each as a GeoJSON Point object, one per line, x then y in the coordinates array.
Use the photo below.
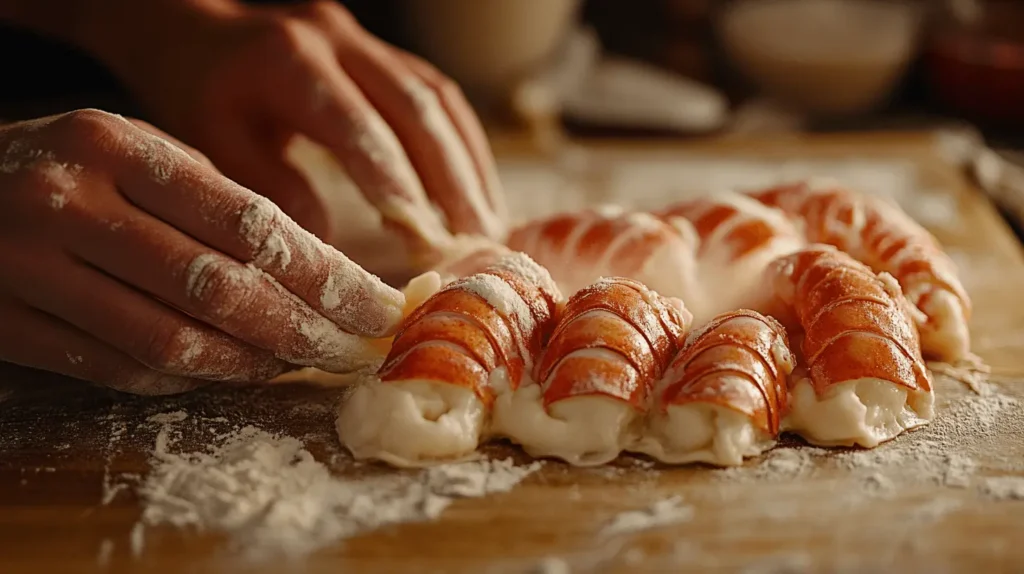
{"type": "Point", "coordinates": [246, 80]}
{"type": "Point", "coordinates": [128, 261]}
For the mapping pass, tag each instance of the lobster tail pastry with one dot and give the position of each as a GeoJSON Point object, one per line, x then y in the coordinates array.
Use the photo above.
{"type": "Point", "coordinates": [433, 395]}
{"type": "Point", "coordinates": [612, 341]}
{"type": "Point", "coordinates": [724, 395]}
{"type": "Point", "coordinates": [878, 233]}
{"type": "Point", "coordinates": [580, 248]}
{"type": "Point", "coordinates": [739, 237]}
{"type": "Point", "coordinates": [862, 380]}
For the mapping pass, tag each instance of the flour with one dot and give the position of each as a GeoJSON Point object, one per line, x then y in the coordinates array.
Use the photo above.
{"type": "Point", "coordinates": [262, 226]}
{"type": "Point", "coordinates": [271, 497]}
{"type": "Point", "coordinates": [662, 513]}
{"type": "Point", "coordinates": [211, 271]}
{"type": "Point", "coordinates": [1003, 488]}
{"type": "Point", "coordinates": [168, 418]}
{"type": "Point", "coordinates": [105, 551]}
{"type": "Point", "coordinates": [58, 200]}
{"type": "Point", "coordinates": [943, 452]}
{"type": "Point", "coordinates": [551, 565]}
{"type": "Point", "coordinates": [118, 428]}
{"type": "Point", "coordinates": [778, 465]}
{"type": "Point", "coordinates": [162, 158]}
{"type": "Point", "coordinates": [434, 118]}
{"type": "Point", "coordinates": [192, 346]}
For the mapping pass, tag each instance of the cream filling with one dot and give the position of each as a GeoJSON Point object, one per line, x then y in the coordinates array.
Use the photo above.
{"type": "Point", "coordinates": [864, 412]}
{"type": "Point", "coordinates": [587, 430]}
{"type": "Point", "coordinates": [411, 423]}
{"type": "Point", "coordinates": [702, 432]}
{"type": "Point", "coordinates": [948, 337]}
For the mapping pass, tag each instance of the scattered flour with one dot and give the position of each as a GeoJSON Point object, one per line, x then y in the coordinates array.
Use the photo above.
{"type": "Point", "coordinates": [942, 452]}
{"type": "Point", "coordinates": [661, 513]}
{"type": "Point", "coordinates": [551, 565]}
{"type": "Point", "coordinates": [779, 464]}
{"type": "Point", "coordinates": [58, 200]}
{"type": "Point", "coordinates": [1003, 488]}
{"type": "Point", "coordinates": [105, 551]}
{"type": "Point", "coordinates": [271, 497]}
{"type": "Point", "coordinates": [138, 539]}
{"type": "Point", "coordinates": [168, 418]}
{"type": "Point", "coordinates": [118, 428]}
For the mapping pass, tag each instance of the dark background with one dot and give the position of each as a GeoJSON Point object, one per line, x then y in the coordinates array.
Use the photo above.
{"type": "Point", "coordinates": [42, 76]}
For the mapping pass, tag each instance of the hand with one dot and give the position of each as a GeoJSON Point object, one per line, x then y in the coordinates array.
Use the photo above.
{"type": "Point", "coordinates": [246, 80]}
{"type": "Point", "coordinates": [128, 261]}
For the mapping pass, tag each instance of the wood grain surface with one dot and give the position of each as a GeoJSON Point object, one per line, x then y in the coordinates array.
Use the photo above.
{"type": "Point", "coordinates": [834, 512]}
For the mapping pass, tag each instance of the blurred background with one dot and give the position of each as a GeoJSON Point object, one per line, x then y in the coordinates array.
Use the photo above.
{"type": "Point", "coordinates": [673, 68]}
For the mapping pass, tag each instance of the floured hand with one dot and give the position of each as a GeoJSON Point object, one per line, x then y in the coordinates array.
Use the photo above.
{"type": "Point", "coordinates": [249, 79]}
{"type": "Point", "coordinates": [128, 261]}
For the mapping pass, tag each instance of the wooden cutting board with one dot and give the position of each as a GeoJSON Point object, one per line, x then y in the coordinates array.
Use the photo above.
{"type": "Point", "coordinates": [925, 502]}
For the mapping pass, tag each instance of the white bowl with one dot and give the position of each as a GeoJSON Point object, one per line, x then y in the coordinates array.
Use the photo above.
{"type": "Point", "coordinates": [831, 57]}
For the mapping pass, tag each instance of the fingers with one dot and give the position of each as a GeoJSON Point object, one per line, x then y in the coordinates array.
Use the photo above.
{"type": "Point", "coordinates": [135, 324]}
{"type": "Point", "coordinates": [468, 125]}
{"type": "Point", "coordinates": [258, 160]}
{"type": "Point", "coordinates": [241, 226]}
{"type": "Point", "coordinates": [324, 104]}
{"type": "Point", "coordinates": [191, 151]}
{"type": "Point", "coordinates": [418, 114]}
{"type": "Point", "coordinates": [34, 339]}
{"type": "Point", "coordinates": [437, 150]}
{"type": "Point", "coordinates": [220, 291]}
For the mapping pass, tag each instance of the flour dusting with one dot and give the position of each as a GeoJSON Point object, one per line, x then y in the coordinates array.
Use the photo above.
{"type": "Point", "coordinates": [261, 225]}
{"type": "Point", "coordinates": [435, 119]}
{"type": "Point", "coordinates": [272, 497]}
{"type": "Point", "coordinates": [662, 513]}
{"type": "Point", "coordinates": [1003, 488]}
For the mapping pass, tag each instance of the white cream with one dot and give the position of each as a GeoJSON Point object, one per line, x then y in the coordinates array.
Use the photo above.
{"type": "Point", "coordinates": [864, 412]}
{"type": "Point", "coordinates": [411, 423]}
{"type": "Point", "coordinates": [587, 430]}
{"type": "Point", "coordinates": [702, 432]}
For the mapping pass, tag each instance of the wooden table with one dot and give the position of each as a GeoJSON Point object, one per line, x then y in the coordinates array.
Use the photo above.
{"type": "Point", "coordinates": [61, 441]}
